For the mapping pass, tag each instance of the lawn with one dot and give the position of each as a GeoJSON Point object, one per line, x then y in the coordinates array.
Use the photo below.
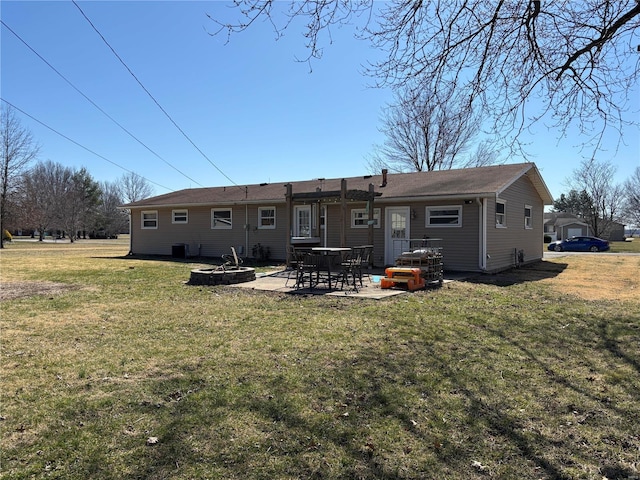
{"type": "Point", "coordinates": [113, 368]}
{"type": "Point", "coordinates": [628, 247]}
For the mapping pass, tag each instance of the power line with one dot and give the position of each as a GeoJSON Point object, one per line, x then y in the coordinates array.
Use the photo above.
{"type": "Point", "coordinates": [152, 97]}
{"type": "Point", "coordinates": [97, 106]}
{"type": "Point", "coordinates": [80, 145]}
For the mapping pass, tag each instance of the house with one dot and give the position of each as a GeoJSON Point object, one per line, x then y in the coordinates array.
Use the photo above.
{"type": "Point", "coordinates": [561, 225]}
{"type": "Point", "coordinates": [486, 219]}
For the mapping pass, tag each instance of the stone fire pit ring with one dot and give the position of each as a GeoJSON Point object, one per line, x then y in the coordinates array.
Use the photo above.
{"type": "Point", "coordinates": [219, 276]}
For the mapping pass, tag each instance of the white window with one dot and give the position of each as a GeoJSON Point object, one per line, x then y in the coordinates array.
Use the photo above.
{"type": "Point", "coordinates": [501, 213]}
{"type": "Point", "coordinates": [179, 216]}
{"type": "Point", "coordinates": [267, 217]}
{"type": "Point", "coordinates": [360, 218]}
{"type": "Point", "coordinates": [221, 218]}
{"type": "Point", "coordinates": [445, 216]}
{"type": "Point", "coordinates": [527, 216]}
{"type": "Point", "coordinates": [150, 219]}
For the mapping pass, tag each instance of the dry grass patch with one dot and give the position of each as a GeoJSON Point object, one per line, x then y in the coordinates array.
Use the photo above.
{"type": "Point", "coordinates": [12, 290]}
{"type": "Point", "coordinates": [599, 277]}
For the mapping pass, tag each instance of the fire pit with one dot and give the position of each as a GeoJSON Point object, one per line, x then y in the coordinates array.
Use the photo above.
{"type": "Point", "coordinates": [222, 276]}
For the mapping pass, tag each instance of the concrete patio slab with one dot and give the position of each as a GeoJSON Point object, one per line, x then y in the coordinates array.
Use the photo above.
{"type": "Point", "coordinates": [283, 281]}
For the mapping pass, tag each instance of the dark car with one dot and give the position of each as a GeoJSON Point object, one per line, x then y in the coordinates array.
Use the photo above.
{"type": "Point", "coordinates": [580, 244]}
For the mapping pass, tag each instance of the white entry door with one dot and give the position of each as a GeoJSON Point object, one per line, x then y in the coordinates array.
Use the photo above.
{"type": "Point", "coordinates": [396, 233]}
{"type": "Point", "coordinates": [302, 221]}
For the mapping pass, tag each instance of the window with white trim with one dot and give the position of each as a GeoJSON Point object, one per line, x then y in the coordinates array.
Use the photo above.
{"type": "Point", "coordinates": [527, 216]}
{"type": "Point", "coordinates": [221, 218]}
{"type": "Point", "coordinates": [149, 219]}
{"type": "Point", "coordinates": [179, 216]}
{"type": "Point", "coordinates": [444, 216]}
{"type": "Point", "coordinates": [501, 213]}
{"type": "Point", "coordinates": [266, 217]}
{"type": "Point", "coordinates": [360, 218]}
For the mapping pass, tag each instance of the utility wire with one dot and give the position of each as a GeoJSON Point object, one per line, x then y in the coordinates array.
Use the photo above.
{"type": "Point", "coordinates": [152, 97]}
{"type": "Point", "coordinates": [80, 145]}
{"type": "Point", "coordinates": [97, 106]}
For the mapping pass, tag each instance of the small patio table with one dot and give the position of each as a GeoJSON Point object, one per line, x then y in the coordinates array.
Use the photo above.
{"type": "Point", "coordinates": [329, 254]}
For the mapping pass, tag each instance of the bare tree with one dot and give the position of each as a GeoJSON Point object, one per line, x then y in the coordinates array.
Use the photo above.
{"type": "Point", "coordinates": [577, 60]}
{"type": "Point", "coordinates": [59, 197]}
{"type": "Point", "coordinates": [596, 180]}
{"type": "Point", "coordinates": [79, 203]}
{"type": "Point", "coordinates": [110, 220]}
{"type": "Point", "coordinates": [428, 130]}
{"type": "Point", "coordinates": [18, 151]}
{"type": "Point", "coordinates": [632, 199]}
{"type": "Point", "coordinates": [133, 187]}
{"type": "Point", "coordinates": [43, 195]}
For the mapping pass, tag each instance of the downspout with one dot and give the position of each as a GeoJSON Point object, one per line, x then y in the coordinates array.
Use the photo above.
{"type": "Point", "coordinates": [482, 233]}
{"type": "Point", "coordinates": [130, 232]}
{"type": "Point", "coordinates": [246, 230]}
{"type": "Point", "coordinates": [326, 223]}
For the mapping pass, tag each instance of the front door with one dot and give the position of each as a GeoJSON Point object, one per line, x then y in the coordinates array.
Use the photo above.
{"type": "Point", "coordinates": [396, 234]}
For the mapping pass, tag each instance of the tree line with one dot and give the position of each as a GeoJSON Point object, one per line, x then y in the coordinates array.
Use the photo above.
{"type": "Point", "coordinates": [50, 197]}
{"type": "Point", "coordinates": [598, 200]}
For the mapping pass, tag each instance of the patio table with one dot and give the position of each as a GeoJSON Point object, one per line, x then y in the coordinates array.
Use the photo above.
{"type": "Point", "coordinates": [326, 258]}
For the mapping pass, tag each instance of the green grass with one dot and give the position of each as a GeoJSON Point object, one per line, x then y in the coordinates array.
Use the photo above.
{"type": "Point", "coordinates": [626, 247]}
{"type": "Point", "coordinates": [473, 380]}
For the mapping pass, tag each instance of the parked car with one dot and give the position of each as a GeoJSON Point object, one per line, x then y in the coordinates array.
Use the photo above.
{"type": "Point", "coordinates": [580, 244]}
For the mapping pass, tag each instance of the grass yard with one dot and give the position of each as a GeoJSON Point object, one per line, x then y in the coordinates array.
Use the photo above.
{"type": "Point", "coordinates": [112, 368]}
{"type": "Point", "coordinates": [632, 247]}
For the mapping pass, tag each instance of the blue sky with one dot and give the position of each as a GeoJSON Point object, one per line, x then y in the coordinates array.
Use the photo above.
{"type": "Point", "coordinates": [256, 113]}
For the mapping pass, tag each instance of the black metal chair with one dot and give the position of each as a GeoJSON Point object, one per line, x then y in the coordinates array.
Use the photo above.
{"type": "Point", "coordinates": [305, 264]}
{"type": "Point", "coordinates": [292, 264]}
{"type": "Point", "coordinates": [352, 267]}
{"type": "Point", "coordinates": [365, 260]}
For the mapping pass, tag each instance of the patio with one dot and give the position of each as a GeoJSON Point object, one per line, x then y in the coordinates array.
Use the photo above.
{"type": "Point", "coordinates": [279, 281]}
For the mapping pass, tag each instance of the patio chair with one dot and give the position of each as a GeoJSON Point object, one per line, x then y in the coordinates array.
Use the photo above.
{"type": "Point", "coordinates": [352, 267]}
{"type": "Point", "coordinates": [292, 264]}
{"type": "Point", "coordinates": [231, 260]}
{"type": "Point", "coordinates": [305, 264]}
{"type": "Point", "coordinates": [365, 261]}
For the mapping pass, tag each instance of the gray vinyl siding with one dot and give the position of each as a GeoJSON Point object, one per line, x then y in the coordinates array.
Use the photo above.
{"type": "Point", "coordinates": [459, 244]}
{"type": "Point", "coordinates": [202, 239]}
{"type": "Point", "coordinates": [354, 236]}
{"type": "Point", "coordinates": [503, 243]}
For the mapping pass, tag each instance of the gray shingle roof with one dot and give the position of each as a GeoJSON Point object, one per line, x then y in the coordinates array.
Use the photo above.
{"type": "Point", "coordinates": [471, 182]}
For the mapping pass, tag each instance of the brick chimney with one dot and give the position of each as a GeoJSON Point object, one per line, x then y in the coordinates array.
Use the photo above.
{"type": "Point", "coordinates": [384, 177]}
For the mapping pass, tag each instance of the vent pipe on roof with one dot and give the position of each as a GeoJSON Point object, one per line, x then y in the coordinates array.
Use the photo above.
{"type": "Point", "coordinates": [384, 177]}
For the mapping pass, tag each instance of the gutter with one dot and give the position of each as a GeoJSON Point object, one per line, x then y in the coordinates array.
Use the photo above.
{"type": "Point", "coordinates": [434, 198]}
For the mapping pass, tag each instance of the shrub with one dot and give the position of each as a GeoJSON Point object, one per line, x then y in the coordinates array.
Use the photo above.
{"type": "Point", "coordinates": [6, 236]}
{"type": "Point", "coordinates": [547, 239]}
